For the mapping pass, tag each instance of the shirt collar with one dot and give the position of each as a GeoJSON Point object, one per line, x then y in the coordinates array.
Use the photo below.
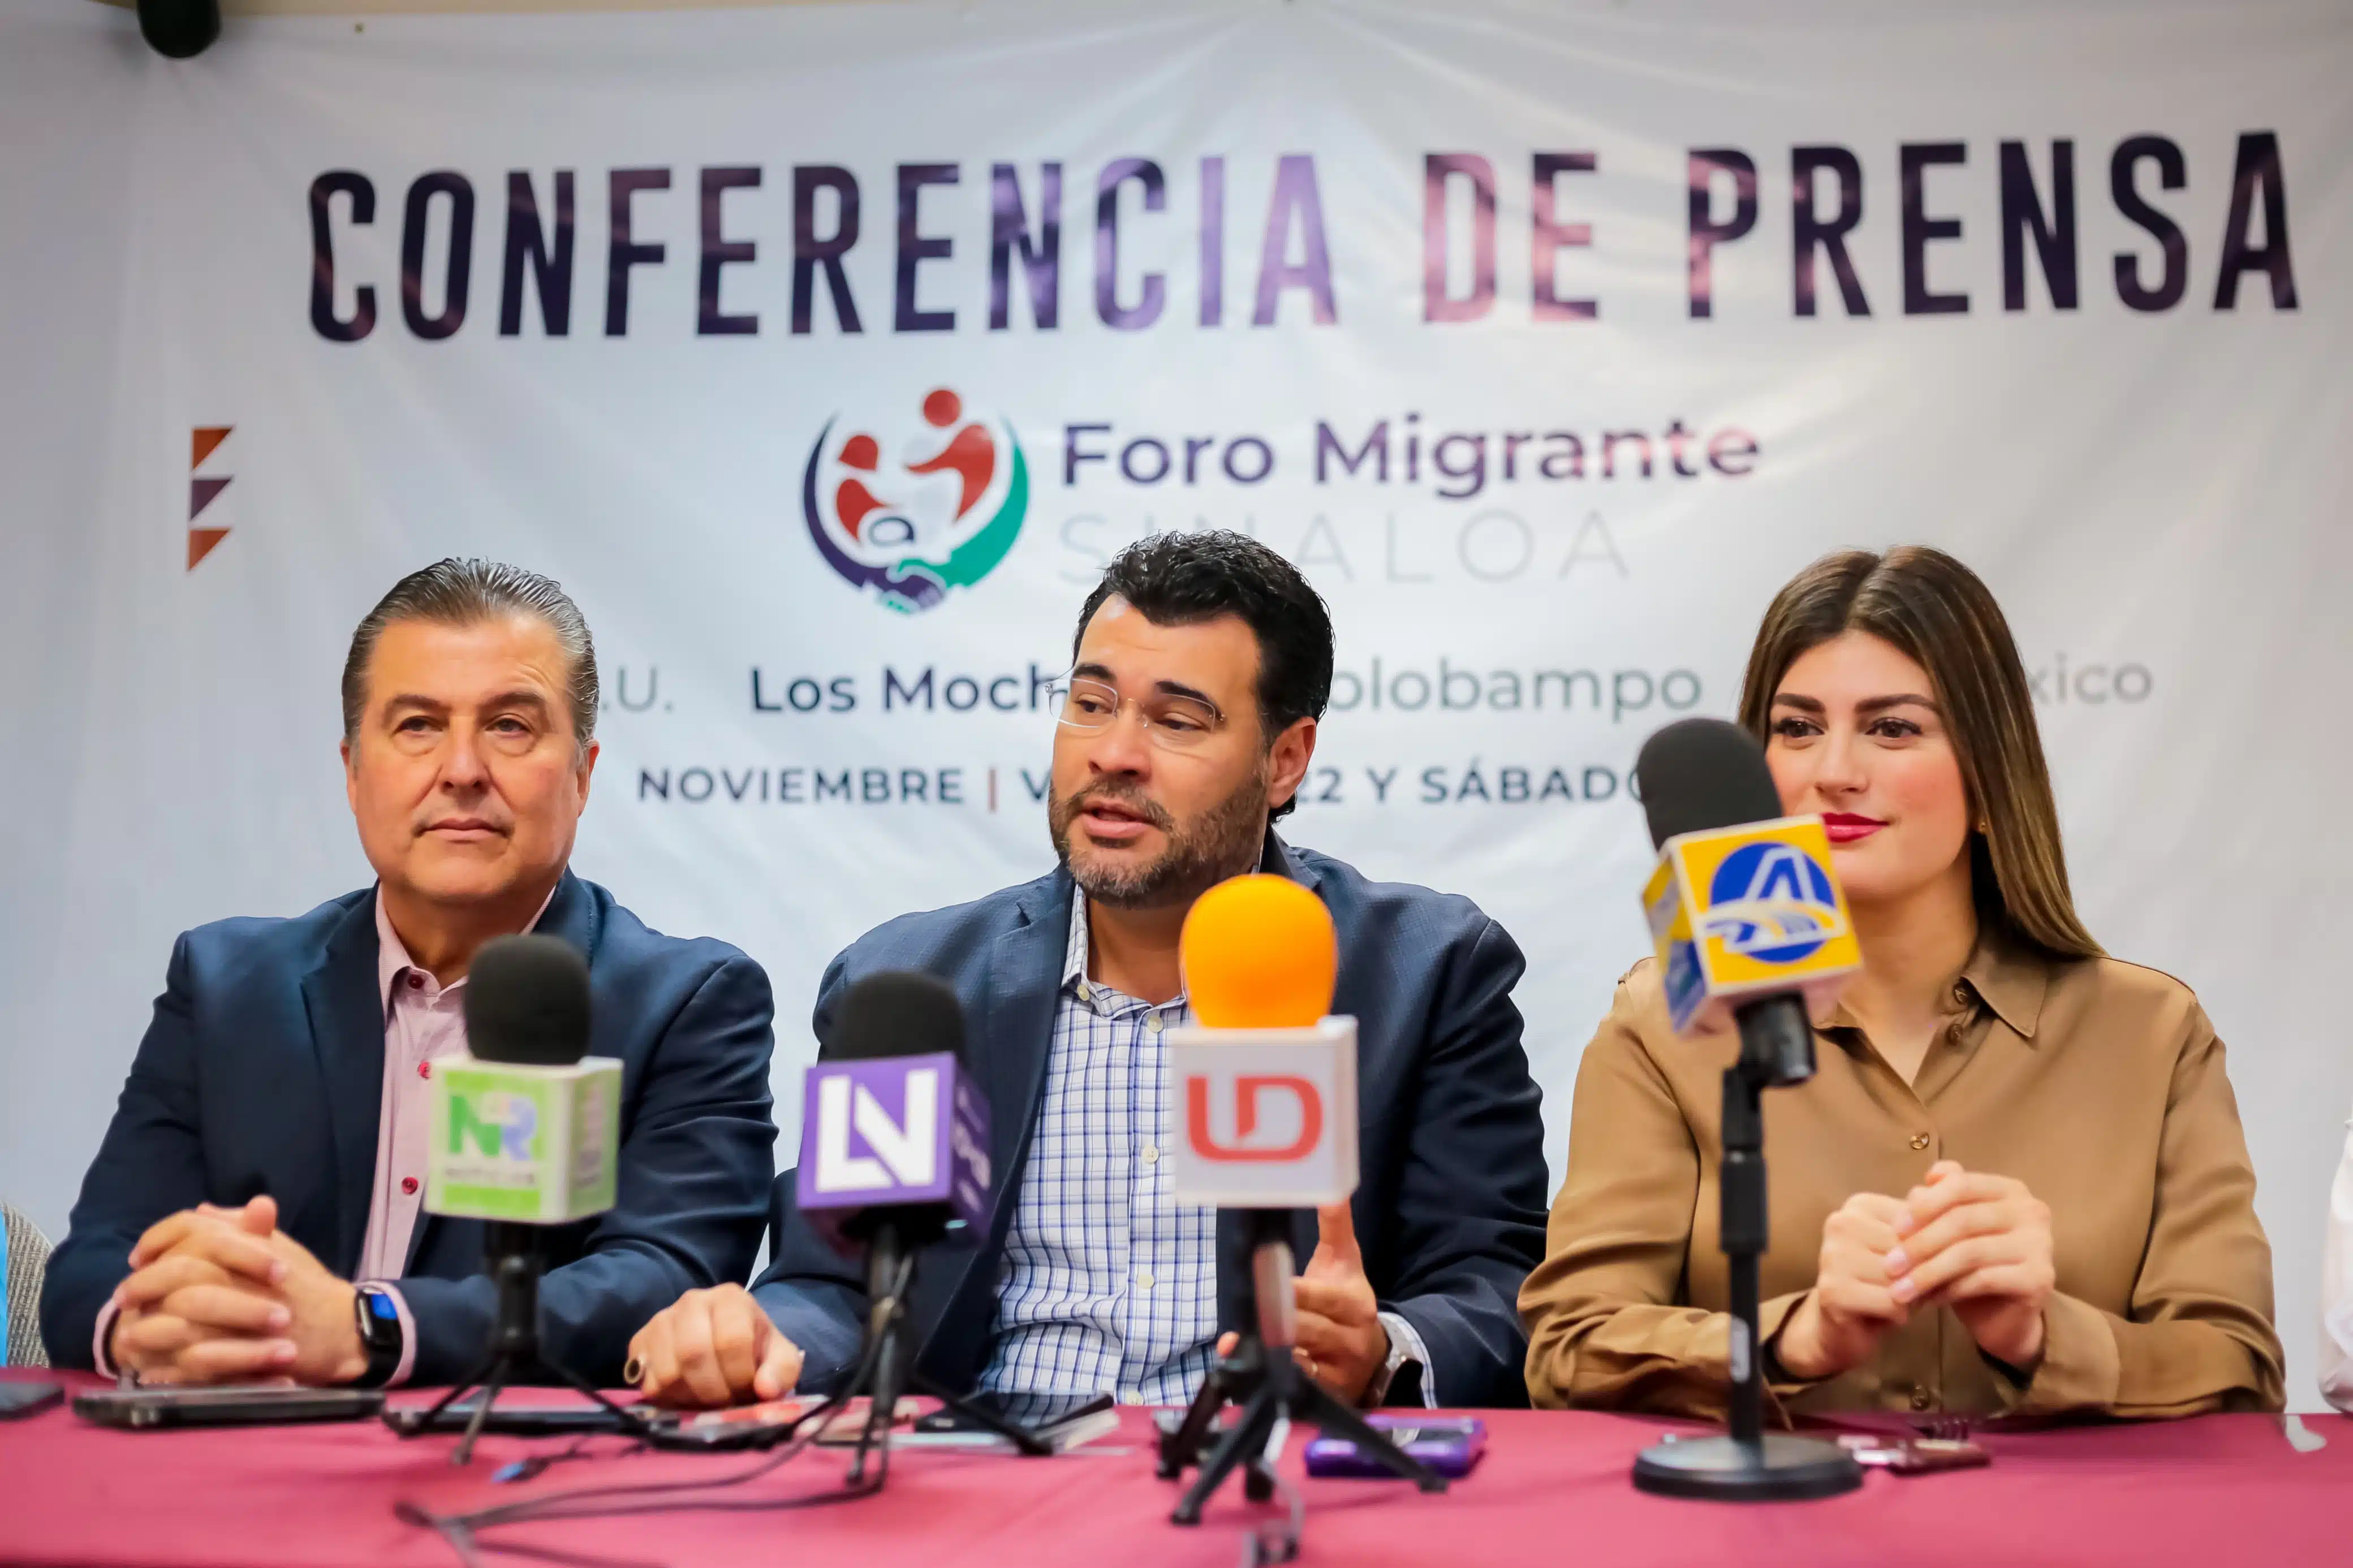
{"type": "Point", "coordinates": [1074, 956]}
{"type": "Point", "coordinates": [2010, 979]}
{"type": "Point", "coordinates": [1074, 972]}
{"type": "Point", "coordinates": [392, 954]}
{"type": "Point", "coordinates": [1273, 857]}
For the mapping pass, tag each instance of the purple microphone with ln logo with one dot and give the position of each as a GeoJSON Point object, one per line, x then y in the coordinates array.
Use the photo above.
{"type": "Point", "coordinates": [889, 1139]}
{"type": "Point", "coordinates": [895, 1157]}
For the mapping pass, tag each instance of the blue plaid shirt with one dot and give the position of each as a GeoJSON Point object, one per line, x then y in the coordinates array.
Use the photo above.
{"type": "Point", "coordinates": [1108, 1285]}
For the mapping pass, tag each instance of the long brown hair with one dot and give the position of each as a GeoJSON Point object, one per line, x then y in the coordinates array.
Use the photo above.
{"type": "Point", "coordinates": [1939, 615]}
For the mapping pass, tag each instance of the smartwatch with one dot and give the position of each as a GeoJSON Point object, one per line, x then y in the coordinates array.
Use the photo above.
{"type": "Point", "coordinates": [380, 1334]}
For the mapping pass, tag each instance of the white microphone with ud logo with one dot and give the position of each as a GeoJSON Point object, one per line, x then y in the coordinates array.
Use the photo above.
{"type": "Point", "coordinates": [1263, 1093]}
{"type": "Point", "coordinates": [1264, 1086]}
{"type": "Point", "coordinates": [1268, 1116]}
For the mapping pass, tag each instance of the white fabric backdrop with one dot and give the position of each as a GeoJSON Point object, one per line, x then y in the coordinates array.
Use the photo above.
{"type": "Point", "coordinates": [2156, 494]}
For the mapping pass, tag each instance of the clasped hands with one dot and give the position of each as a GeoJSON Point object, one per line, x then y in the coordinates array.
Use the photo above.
{"type": "Point", "coordinates": [1979, 1244]}
{"type": "Point", "coordinates": [717, 1347]}
{"type": "Point", "coordinates": [221, 1294]}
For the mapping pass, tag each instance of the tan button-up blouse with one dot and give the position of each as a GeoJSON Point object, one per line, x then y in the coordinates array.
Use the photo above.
{"type": "Point", "coordinates": [2098, 1084]}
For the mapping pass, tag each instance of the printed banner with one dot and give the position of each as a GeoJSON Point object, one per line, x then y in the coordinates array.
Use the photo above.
{"type": "Point", "coordinates": [826, 354]}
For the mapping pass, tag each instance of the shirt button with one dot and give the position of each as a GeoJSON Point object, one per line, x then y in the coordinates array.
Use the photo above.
{"type": "Point", "coordinates": [424, 1069]}
{"type": "Point", "coordinates": [1152, 1023]}
{"type": "Point", "coordinates": [1919, 1140]}
{"type": "Point", "coordinates": [1133, 1396]}
{"type": "Point", "coordinates": [1919, 1399]}
{"type": "Point", "coordinates": [408, 1184]}
{"type": "Point", "coordinates": [1143, 1281]}
{"type": "Point", "coordinates": [1086, 993]}
{"type": "Point", "coordinates": [1960, 995]}
{"type": "Point", "coordinates": [1152, 1154]}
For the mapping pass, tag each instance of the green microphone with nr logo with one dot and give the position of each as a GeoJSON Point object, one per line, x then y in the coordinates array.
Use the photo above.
{"type": "Point", "coordinates": [527, 1127]}
{"type": "Point", "coordinates": [525, 1130]}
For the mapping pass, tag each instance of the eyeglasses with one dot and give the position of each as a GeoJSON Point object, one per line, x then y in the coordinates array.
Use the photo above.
{"type": "Point", "coordinates": [1173, 722]}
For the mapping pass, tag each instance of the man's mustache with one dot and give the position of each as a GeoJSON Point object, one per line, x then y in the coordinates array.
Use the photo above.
{"type": "Point", "coordinates": [1143, 805]}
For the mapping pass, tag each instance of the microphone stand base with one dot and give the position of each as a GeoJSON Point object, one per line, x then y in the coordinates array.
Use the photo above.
{"type": "Point", "coordinates": [513, 1257]}
{"type": "Point", "coordinates": [1778, 1466]}
{"type": "Point", "coordinates": [1269, 1389]}
{"type": "Point", "coordinates": [492, 1379]}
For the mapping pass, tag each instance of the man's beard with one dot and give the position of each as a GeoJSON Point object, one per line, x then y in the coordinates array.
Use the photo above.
{"type": "Point", "coordinates": [1224, 841]}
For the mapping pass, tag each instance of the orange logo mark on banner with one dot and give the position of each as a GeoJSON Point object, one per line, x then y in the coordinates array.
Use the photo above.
{"type": "Point", "coordinates": [203, 442]}
{"type": "Point", "coordinates": [1247, 1088]}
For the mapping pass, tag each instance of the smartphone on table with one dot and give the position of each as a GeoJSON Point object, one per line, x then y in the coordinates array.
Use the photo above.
{"type": "Point", "coordinates": [1451, 1445]}
{"type": "Point", "coordinates": [225, 1405]}
{"type": "Point", "coordinates": [516, 1414]}
{"type": "Point", "coordinates": [1063, 1422]}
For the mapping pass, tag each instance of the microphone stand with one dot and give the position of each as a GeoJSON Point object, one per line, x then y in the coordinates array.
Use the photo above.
{"type": "Point", "coordinates": [889, 1281]}
{"type": "Point", "coordinates": [1261, 1376]}
{"type": "Point", "coordinates": [1747, 1463]}
{"type": "Point", "coordinates": [514, 1256]}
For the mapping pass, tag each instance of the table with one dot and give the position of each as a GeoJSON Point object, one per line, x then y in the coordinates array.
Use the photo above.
{"type": "Point", "coordinates": [2215, 1493]}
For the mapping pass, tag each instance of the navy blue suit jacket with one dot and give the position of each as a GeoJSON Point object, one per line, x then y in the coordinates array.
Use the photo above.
{"type": "Point", "coordinates": [263, 1072]}
{"type": "Point", "coordinates": [1450, 1207]}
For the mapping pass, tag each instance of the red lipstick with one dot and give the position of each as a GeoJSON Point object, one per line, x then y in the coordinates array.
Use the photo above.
{"type": "Point", "coordinates": [1846, 828]}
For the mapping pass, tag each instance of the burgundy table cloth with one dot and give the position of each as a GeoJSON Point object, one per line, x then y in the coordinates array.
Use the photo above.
{"type": "Point", "coordinates": [1553, 1489]}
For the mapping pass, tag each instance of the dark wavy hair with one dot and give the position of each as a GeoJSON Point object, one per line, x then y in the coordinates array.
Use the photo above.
{"type": "Point", "coordinates": [1180, 579]}
{"type": "Point", "coordinates": [1942, 617]}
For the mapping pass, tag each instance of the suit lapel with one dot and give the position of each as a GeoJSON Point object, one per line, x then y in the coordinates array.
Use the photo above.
{"type": "Point", "coordinates": [573, 915]}
{"type": "Point", "coordinates": [1017, 1026]}
{"type": "Point", "coordinates": [345, 1008]}
{"type": "Point", "coordinates": [1013, 1030]}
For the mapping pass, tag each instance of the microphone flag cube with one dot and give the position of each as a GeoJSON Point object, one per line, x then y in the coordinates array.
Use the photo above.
{"type": "Point", "coordinates": [1740, 914]}
{"type": "Point", "coordinates": [1265, 1118]}
{"type": "Point", "coordinates": [892, 1132]}
{"type": "Point", "coordinates": [535, 1145]}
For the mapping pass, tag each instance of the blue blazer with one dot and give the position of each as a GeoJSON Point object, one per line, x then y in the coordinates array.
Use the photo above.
{"type": "Point", "coordinates": [1450, 1208]}
{"type": "Point", "coordinates": [263, 1072]}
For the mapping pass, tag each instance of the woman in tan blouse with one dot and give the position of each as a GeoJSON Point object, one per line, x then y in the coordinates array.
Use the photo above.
{"type": "Point", "coordinates": [2017, 1181]}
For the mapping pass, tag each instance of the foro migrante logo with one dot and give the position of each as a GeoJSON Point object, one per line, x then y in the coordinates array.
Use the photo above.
{"type": "Point", "coordinates": [921, 508]}
{"type": "Point", "coordinates": [1773, 902]}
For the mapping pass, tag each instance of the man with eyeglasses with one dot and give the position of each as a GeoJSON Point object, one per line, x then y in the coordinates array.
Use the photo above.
{"type": "Point", "coordinates": [1203, 664]}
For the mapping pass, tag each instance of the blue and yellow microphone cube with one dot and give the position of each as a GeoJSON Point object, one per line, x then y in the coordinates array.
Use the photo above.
{"type": "Point", "coordinates": [1747, 911]}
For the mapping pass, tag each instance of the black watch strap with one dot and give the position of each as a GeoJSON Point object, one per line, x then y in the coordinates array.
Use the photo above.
{"type": "Point", "coordinates": [380, 1334]}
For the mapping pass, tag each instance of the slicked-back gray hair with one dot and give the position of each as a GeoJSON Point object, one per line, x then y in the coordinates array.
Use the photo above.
{"type": "Point", "coordinates": [457, 593]}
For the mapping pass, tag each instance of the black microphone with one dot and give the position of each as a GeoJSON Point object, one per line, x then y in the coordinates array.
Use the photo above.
{"type": "Point", "coordinates": [886, 1016]}
{"type": "Point", "coordinates": [1747, 917]}
{"type": "Point", "coordinates": [1700, 775]}
{"type": "Point", "coordinates": [525, 1137]}
{"type": "Point", "coordinates": [527, 1002]}
{"type": "Point", "coordinates": [894, 1156]}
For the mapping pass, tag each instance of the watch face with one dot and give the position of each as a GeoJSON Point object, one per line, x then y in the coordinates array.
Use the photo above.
{"type": "Point", "coordinates": [379, 1319]}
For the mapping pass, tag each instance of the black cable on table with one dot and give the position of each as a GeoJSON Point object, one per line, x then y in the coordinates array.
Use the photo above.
{"type": "Point", "coordinates": [464, 1530]}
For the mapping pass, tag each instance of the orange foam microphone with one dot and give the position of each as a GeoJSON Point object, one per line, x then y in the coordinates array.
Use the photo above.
{"type": "Point", "coordinates": [1258, 953]}
{"type": "Point", "coordinates": [1263, 1083]}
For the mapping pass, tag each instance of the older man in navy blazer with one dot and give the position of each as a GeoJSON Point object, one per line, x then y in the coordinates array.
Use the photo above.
{"type": "Point", "coordinates": [255, 1209]}
{"type": "Point", "coordinates": [1203, 664]}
